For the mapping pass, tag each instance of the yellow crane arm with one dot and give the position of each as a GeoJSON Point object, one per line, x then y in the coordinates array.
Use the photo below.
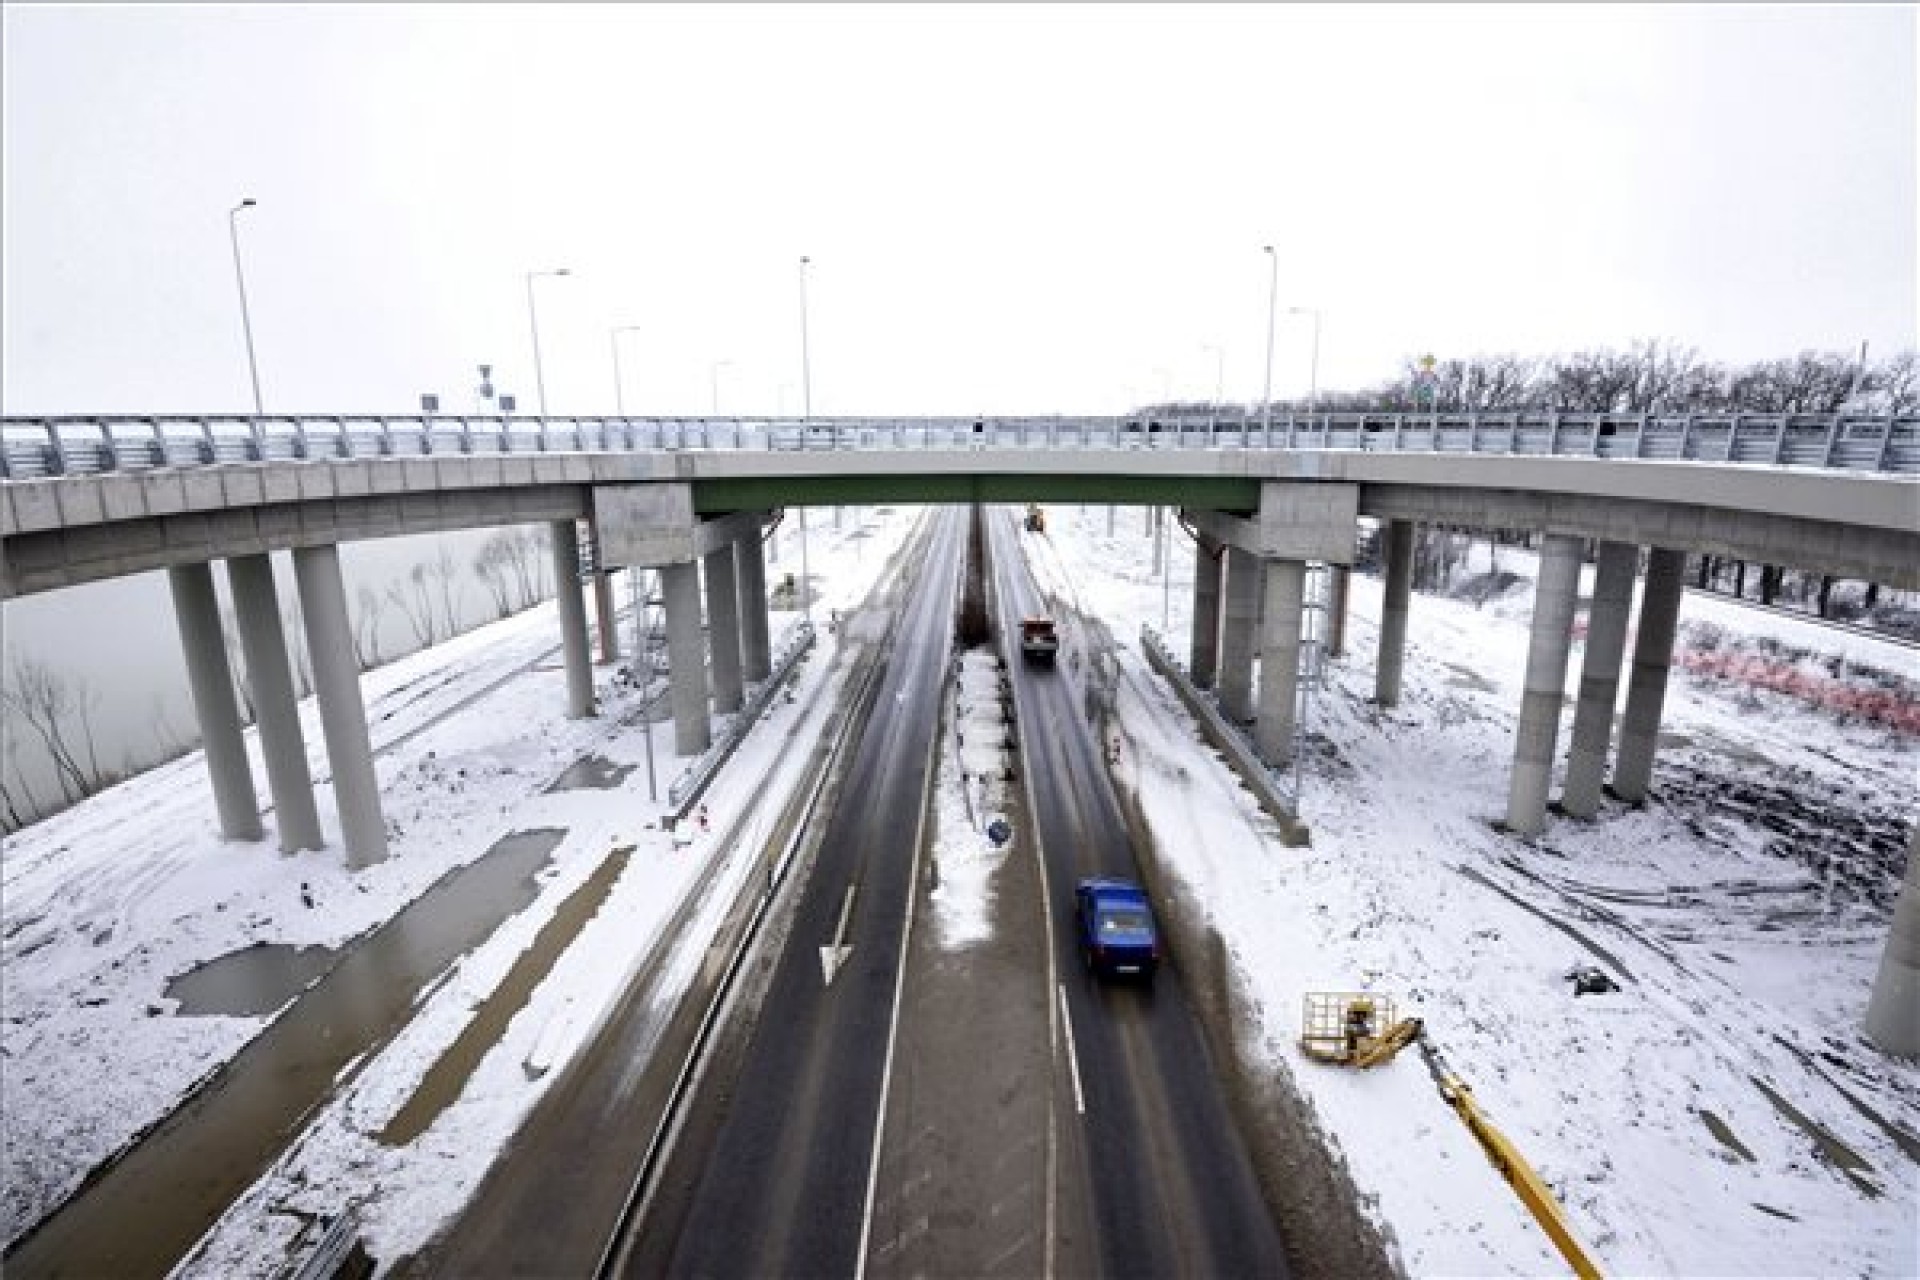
{"type": "Point", "coordinates": [1533, 1192]}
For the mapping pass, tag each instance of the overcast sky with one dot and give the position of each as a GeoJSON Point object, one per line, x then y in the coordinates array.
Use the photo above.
{"type": "Point", "coordinates": [1008, 208]}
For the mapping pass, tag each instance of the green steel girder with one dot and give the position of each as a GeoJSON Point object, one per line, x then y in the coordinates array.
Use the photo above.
{"type": "Point", "coordinates": [1213, 493]}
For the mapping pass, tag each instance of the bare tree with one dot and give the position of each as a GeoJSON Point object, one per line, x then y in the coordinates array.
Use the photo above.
{"type": "Point", "coordinates": [1811, 382]}
{"type": "Point", "coordinates": [1894, 386]}
{"type": "Point", "coordinates": [366, 628]}
{"type": "Point", "coordinates": [56, 707]}
{"type": "Point", "coordinates": [445, 578]}
{"type": "Point", "coordinates": [413, 598]}
{"type": "Point", "coordinates": [522, 552]}
{"type": "Point", "coordinates": [490, 566]}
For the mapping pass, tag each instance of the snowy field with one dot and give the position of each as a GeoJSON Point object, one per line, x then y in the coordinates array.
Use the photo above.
{"type": "Point", "coordinates": [1743, 916]}
{"type": "Point", "coordinates": [1718, 1115]}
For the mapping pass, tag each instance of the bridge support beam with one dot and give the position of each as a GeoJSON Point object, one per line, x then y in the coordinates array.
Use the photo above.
{"type": "Point", "coordinates": [196, 611]}
{"type": "Point", "coordinates": [1893, 1011]}
{"type": "Point", "coordinates": [686, 658]}
{"type": "Point", "coordinates": [1393, 612]}
{"type": "Point", "coordinates": [1546, 684]}
{"type": "Point", "coordinates": [343, 717]}
{"type": "Point", "coordinates": [1600, 677]}
{"type": "Point", "coordinates": [1204, 657]}
{"type": "Point", "coordinates": [1285, 589]}
{"type": "Point", "coordinates": [1237, 635]}
{"type": "Point", "coordinates": [263, 642]}
{"type": "Point", "coordinates": [573, 619]}
{"type": "Point", "coordinates": [723, 628]}
{"type": "Point", "coordinates": [1647, 686]}
{"type": "Point", "coordinates": [1337, 610]}
{"type": "Point", "coordinates": [751, 570]}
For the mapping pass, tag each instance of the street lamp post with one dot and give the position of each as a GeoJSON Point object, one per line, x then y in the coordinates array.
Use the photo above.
{"type": "Point", "coordinates": [533, 322]}
{"type": "Point", "coordinates": [619, 389]}
{"type": "Point", "coordinates": [806, 416]}
{"type": "Point", "coordinates": [246, 320]}
{"type": "Point", "coordinates": [1266, 398]}
{"type": "Point", "coordinates": [1313, 377]}
{"type": "Point", "coordinates": [713, 376]}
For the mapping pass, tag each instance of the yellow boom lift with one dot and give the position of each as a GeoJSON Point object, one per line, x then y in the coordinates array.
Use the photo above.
{"type": "Point", "coordinates": [1358, 1029]}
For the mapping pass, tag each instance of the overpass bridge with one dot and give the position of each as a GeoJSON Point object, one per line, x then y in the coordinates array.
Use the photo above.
{"type": "Point", "coordinates": [87, 498]}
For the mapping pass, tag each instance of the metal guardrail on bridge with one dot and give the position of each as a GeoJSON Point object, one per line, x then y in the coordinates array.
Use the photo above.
{"type": "Point", "coordinates": [53, 446]}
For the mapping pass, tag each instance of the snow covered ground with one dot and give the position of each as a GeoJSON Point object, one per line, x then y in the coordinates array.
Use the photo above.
{"type": "Point", "coordinates": [1742, 915]}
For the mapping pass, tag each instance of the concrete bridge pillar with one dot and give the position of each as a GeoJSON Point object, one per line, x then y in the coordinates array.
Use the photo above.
{"type": "Point", "coordinates": [686, 658]}
{"type": "Point", "coordinates": [1539, 727]}
{"type": "Point", "coordinates": [343, 717]}
{"type": "Point", "coordinates": [1237, 635]}
{"type": "Point", "coordinates": [196, 611]}
{"type": "Point", "coordinates": [1393, 612]}
{"type": "Point", "coordinates": [1600, 677]}
{"type": "Point", "coordinates": [256, 607]}
{"type": "Point", "coordinates": [1205, 645]}
{"type": "Point", "coordinates": [1337, 611]}
{"type": "Point", "coordinates": [1893, 1011]}
{"type": "Point", "coordinates": [603, 615]}
{"type": "Point", "coordinates": [1647, 686]}
{"type": "Point", "coordinates": [723, 628]}
{"type": "Point", "coordinates": [751, 569]}
{"type": "Point", "coordinates": [573, 619]}
{"type": "Point", "coordinates": [1284, 590]}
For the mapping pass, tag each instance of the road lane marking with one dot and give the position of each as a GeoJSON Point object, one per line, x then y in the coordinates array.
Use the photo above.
{"type": "Point", "coordinates": [1050, 1246]}
{"type": "Point", "coordinates": [1073, 1056]}
{"type": "Point", "coordinates": [893, 1028]}
{"type": "Point", "coordinates": [832, 957]}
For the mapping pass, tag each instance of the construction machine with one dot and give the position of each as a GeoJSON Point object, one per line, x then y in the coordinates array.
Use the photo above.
{"type": "Point", "coordinates": [1358, 1029]}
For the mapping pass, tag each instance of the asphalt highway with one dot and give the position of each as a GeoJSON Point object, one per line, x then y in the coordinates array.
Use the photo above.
{"type": "Point", "coordinates": [1151, 1139]}
{"type": "Point", "coordinates": [772, 1173]}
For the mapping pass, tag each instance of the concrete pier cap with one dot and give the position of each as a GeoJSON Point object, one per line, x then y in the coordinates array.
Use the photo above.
{"type": "Point", "coordinates": [645, 524]}
{"type": "Point", "coordinates": [1307, 520]}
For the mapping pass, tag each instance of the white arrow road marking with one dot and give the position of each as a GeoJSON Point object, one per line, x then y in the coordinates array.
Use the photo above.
{"type": "Point", "coordinates": [831, 958]}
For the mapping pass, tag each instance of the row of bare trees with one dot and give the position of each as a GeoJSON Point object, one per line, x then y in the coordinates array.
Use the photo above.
{"type": "Point", "coordinates": [49, 713]}
{"type": "Point", "coordinates": [1652, 375]}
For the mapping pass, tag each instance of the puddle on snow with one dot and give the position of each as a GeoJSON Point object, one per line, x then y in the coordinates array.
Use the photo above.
{"type": "Point", "coordinates": [251, 982]}
{"type": "Point", "coordinates": [1831, 1149]}
{"type": "Point", "coordinates": [448, 1076]}
{"type": "Point", "coordinates": [141, 1213]}
{"type": "Point", "coordinates": [591, 773]}
{"type": "Point", "coordinates": [1718, 1128]}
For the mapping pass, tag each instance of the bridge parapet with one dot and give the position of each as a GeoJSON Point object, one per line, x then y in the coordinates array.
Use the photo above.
{"type": "Point", "coordinates": [50, 446]}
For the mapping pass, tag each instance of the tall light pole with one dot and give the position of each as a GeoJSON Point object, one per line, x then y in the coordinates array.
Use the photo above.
{"type": "Point", "coordinates": [713, 376]}
{"type": "Point", "coordinates": [619, 389]}
{"type": "Point", "coordinates": [806, 415]}
{"type": "Point", "coordinates": [533, 321]}
{"type": "Point", "coordinates": [1313, 382]}
{"type": "Point", "coordinates": [1273, 293]}
{"type": "Point", "coordinates": [240, 278]}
